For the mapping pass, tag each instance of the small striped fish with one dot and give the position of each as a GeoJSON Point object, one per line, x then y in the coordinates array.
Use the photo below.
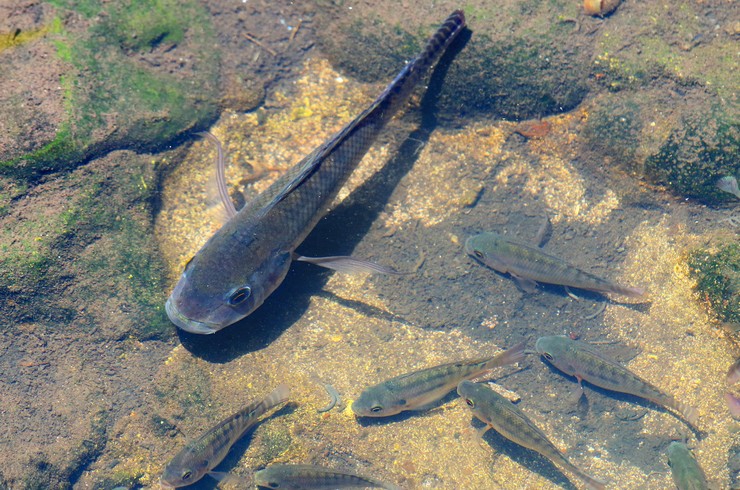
{"type": "Point", "coordinates": [420, 389]}
{"type": "Point", "coordinates": [585, 363]}
{"type": "Point", "coordinates": [309, 477]}
{"type": "Point", "coordinates": [530, 265]}
{"type": "Point", "coordinates": [200, 456]}
{"type": "Point", "coordinates": [508, 420]}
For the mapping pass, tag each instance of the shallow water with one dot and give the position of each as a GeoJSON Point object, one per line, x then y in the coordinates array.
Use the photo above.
{"type": "Point", "coordinates": [355, 331]}
{"type": "Point", "coordinates": [415, 198]}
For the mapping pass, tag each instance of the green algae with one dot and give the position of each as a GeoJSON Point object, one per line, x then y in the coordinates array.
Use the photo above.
{"type": "Point", "coordinates": [504, 70]}
{"type": "Point", "coordinates": [87, 8]}
{"type": "Point", "coordinates": [127, 255]}
{"type": "Point", "coordinates": [126, 103]}
{"type": "Point", "coordinates": [675, 42]}
{"type": "Point", "coordinates": [17, 38]}
{"type": "Point", "coordinates": [614, 128]}
{"type": "Point", "coordinates": [384, 49]}
{"type": "Point", "coordinates": [142, 24]}
{"type": "Point", "coordinates": [101, 233]}
{"type": "Point", "coordinates": [702, 149]}
{"type": "Point", "coordinates": [718, 278]}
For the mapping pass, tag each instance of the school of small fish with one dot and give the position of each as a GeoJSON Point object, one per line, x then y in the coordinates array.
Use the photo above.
{"type": "Point", "coordinates": [215, 291]}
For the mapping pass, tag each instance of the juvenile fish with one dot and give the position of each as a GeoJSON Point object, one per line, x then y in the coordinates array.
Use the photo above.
{"type": "Point", "coordinates": [687, 474]}
{"type": "Point", "coordinates": [421, 389]}
{"type": "Point", "coordinates": [249, 256]}
{"type": "Point", "coordinates": [508, 420]}
{"type": "Point", "coordinates": [203, 454]}
{"type": "Point", "coordinates": [585, 363]}
{"type": "Point", "coordinates": [309, 477]}
{"type": "Point", "coordinates": [530, 265]}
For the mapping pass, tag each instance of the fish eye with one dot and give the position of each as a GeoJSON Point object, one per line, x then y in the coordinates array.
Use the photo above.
{"type": "Point", "coordinates": [273, 484]}
{"type": "Point", "coordinates": [186, 475]}
{"type": "Point", "coordinates": [376, 409]}
{"type": "Point", "coordinates": [478, 254]}
{"type": "Point", "coordinates": [240, 295]}
{"type": "Point", "coordinates": [548, 356]}
{"type": "Point", "coordinates": [470, 402]}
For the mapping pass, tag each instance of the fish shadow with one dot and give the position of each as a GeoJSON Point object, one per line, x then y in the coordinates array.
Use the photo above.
{"type": "Point", "coordinates": [338, 233]}
{"type": "Point", "coordinates": [607, 403]}
{"type": "Point", "coordinates": [582, 294]}
{"type": "Point", "coordinates": [527, 458]}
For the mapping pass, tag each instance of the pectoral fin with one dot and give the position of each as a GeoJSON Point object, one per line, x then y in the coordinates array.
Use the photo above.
{"type": "Point", "coordinates": [543, 234]}
{"type": "Point", "coordinates": [526, 285]}
{"type": "Point", "coordinates": [224, 478]}
{"type": "Point", "coordinates": [349, 265]}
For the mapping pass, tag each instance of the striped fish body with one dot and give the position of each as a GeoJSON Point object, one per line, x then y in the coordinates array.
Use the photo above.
{"type": "Point", "coordinates": [203, 454]}
{"type": "Point", "coordinates": [309, 477]}
{"type": "Point", "coordinates": [686, 472]}
{"type": "Point", "coordinates": [420, 389]}
{"type": "Point", "coordinates": [531, 263]}
{"type": "Point", "coordinates": [583, 361]}
{"type": "Point", "coordinates": [510, 421]}
{"type": "Point", "coordinates": [246, 260]}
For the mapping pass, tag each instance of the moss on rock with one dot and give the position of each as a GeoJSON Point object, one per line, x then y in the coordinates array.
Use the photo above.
{"type": "Point", "coordinates": [86, 239]}
{"type": "Point", "coordinates": [718, 278]}
{"type": "Point", "coordinates": [703, 148]}
{"type": "Point", "coordinates": [120, 88]}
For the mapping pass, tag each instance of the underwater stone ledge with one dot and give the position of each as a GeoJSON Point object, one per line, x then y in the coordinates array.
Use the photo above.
{"type": "Point", "coordinates": [119, 76]}
{"type": "Point", "coordinates": [508, 69]}
{"type": "Point", "coordinates": [80, 253]}
{"type": "Point", "coordinates": [718, 279]}
{"type": "Point", "coordinates": [683, 142]}
{"type": "Point", "coordinates": [671, 112]}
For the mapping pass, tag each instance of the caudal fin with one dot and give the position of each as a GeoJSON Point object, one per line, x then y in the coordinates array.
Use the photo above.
{"type": "Point", "coordinates": [589, 480]}
{"type": "Point", "coordinates": [277, 396]}
{"type": "Point", "coordinates": [629, 291]}
{"type": "Point", "coordinates": [592, 482]}
{"type": "Point", "coordinates": [509, 356]}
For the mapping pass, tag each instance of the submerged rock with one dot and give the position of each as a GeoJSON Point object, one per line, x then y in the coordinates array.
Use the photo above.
{"type": "Point", "coordinates": [103, 77]}
{"type": "Point", "coordinates": [522, 61]}
{"type": "Point", "coordinates": [670, 113]}
{"type": "Point", "coordinates": [718, 279]}
{"type": "Point", "coordinates": [79, 252]}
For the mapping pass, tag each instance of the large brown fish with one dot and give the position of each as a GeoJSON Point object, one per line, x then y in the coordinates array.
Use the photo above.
{"type": "Point", "coordinates": [508, 420]}
{"type": "Point", "coordinates": [585, 363]}
{"type": "Point", "coordinates": [530, 265]}
{"type": "Point", "coordinates": [248, 258]}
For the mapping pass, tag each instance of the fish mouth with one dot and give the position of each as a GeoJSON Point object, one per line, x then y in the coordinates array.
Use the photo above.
{"type": "Point", "coordinates": [185, 323]}
{"type": "Point", "coordinates": [468, 247]}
